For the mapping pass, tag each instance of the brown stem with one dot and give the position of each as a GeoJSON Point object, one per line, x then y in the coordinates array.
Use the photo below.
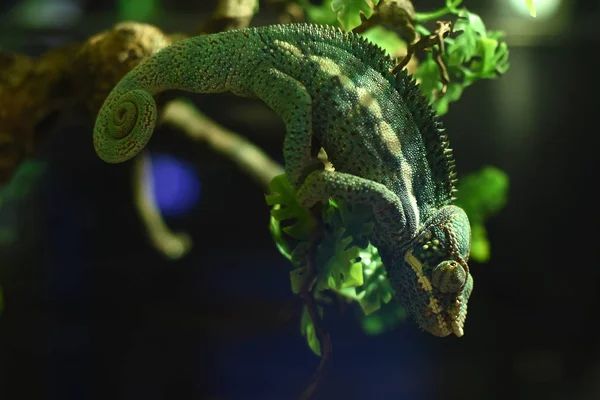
{"type": "Point", "coordinates": [396, 14]}
{"type": "Point", "coordinates": [443, 29]}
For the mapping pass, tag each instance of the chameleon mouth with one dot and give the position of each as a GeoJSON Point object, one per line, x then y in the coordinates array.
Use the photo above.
{"type": "Point", "coordinates": [457, 321]}
{"type": "Point", "coordinates": [457, 329]}
{"type": "Point", "coordinates": [457, 315]}
{"type": "Point", "coordinates": [449, 319]}
{"type": "Point", "coordinates": [453, 324]}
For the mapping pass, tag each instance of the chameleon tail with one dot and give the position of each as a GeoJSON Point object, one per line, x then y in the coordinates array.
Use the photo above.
{"type": "Point", "coordinates": [127, 118]}
{"type": "Point", "coordinates": [125, 123]}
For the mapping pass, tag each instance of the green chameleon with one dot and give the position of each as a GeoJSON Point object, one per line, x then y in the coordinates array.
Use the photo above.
{"type": "Point", "coordinates": [335, 91]}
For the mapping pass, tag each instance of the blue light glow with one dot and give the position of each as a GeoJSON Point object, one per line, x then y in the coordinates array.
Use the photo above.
{"type": "Point", "coordinates": [176, 185]}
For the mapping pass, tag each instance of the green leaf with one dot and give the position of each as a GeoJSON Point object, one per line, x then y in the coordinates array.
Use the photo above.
{"type": "Point", "coordinates": [430, 86]}
{"type": "Point", "coordinates": [453, 93]}
{"type": "Point", "coordinates": [429, 76]}
{"type": "Point", "coordinates": [338, 265]}
{"type": "Point", "coordinates": [338, 258]}
{"type": "Point", "coordinates": [319, 14]}
{"type": "Point", "coordinates": [531, 7]}
{"type": "Point", "coordinates": [384, 38]}
{"type": "Point", "coordinates": [280, 242]}
{"type": "Point", "coordinates": [472, 55]}
{"type": "Point", "coordinates": [384, 320]}
{"type": "Point", "coordinates": [349, 11]}
{"type": "Point", "coordinates": [470, 23]}
{"type": "Point", "coordinates": [465, 46]}
{"type": "Point", "coordinates": [480, 245]}
{"type": "Point", "coordinates": [487, 56]}
{"type": "Point", "coordinates": [482, 194]}
{"type": "Point", "coordinates": [308, 331]}
{"type": "Point", "coordinates": [299, 253]}
{"type": "Point", "coordinates": [298, 279]}
{"type": "Point", "coordinates": [494, 59]}
{"type": "Point", "coordinates": [291, 240]}
{"type": "Point", "coordinates": [376, 289]}
{"type": "Point", "coordinates": [283, 196]}
{"type": "Point", "coordinates": [357, 220]}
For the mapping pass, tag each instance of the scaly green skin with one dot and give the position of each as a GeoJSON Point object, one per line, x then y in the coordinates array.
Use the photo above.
{"type": "Point", "coordinates": [333, 90]}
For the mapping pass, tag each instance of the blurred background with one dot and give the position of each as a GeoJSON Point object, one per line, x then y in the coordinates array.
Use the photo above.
{"type": "Point", "coordinates": [93, 311]}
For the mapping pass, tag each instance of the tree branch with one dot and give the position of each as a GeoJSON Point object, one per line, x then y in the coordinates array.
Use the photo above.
{"type": "Point", "coordinates": [172, 245]}
{"type": "Point", "coordinates": [198, 127]}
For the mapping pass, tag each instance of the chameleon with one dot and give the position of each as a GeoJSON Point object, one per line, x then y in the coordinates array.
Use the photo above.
{"type": "Point", "coordinates": [335, 91]}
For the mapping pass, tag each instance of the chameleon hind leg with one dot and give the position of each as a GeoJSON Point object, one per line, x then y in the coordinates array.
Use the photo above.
{"type": "Point", "coordinates": [387, 207]}
{"type": "Point", "coordinates": [290, 100]}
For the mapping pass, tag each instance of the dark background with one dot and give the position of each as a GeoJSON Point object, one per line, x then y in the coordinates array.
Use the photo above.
{"type": "Point", "coordinates": [92, 311]}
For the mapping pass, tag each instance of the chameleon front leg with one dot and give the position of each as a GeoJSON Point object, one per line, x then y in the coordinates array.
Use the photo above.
{"type": "Point", "coordinates": [290, 100]}
{"type": "Point", "coordinates": [387, 207]}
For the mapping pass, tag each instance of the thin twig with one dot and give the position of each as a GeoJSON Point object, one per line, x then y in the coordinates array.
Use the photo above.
{"type": "Point", "coordinates": [444, 28]}
{"type": "Point", "coordinates": [173, 245]}
{"type": "Point", "coordinates": [395, 14]}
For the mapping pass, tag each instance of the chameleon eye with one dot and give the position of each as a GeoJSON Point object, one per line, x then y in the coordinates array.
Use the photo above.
{"type": "Point", "coordinates": [448, 276]}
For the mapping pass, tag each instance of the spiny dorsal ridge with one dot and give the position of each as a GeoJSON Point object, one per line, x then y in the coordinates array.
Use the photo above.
{"type": "Point", "coordinates": [436, 142]}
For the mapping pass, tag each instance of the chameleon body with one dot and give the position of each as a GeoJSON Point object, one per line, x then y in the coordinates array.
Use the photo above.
{"type": "Point", "coordinates": [333, 90]}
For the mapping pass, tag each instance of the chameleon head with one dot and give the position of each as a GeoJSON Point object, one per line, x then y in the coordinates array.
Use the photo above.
{"type": "Point", "coordinates": [434, 282]}
{"type": "Point", "coordinates": [124, 125]}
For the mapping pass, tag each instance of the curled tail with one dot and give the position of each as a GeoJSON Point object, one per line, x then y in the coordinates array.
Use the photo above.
{"type": "Point", "coordinates": [202, 64]}
{"type": "Point", "coordinates": [124, 125]}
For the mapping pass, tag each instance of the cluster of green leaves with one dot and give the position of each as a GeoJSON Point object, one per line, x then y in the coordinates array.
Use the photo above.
{"type": "Point", "coordinates": [345, 262]}
{"type": "Point", "coordinates": [482, 195]}
{"type": "Point", "coordinates": [472, 52]}
{"type": "Point", "coordinates": [343, 13]}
